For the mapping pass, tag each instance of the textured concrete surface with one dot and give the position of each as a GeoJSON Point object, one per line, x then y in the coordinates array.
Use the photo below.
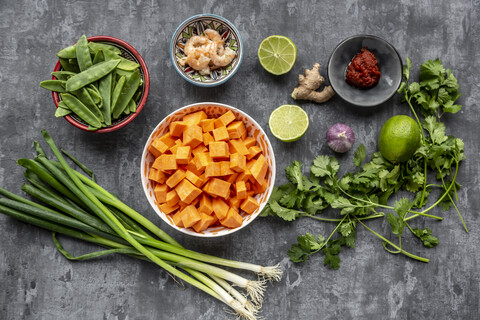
{"type": "Point", "coordinates": [36, 282]}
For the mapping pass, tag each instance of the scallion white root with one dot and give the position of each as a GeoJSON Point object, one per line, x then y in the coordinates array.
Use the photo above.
{"type": "Point", "coordinates": [255, 290]}
{"type": "Point", "coordinates": [271, 273]}
{"type": "Point", "coordinates": [237, 295]}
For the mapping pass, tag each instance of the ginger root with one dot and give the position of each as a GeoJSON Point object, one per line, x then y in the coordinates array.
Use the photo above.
{"type": "Point", "coordinates": [308, 85]}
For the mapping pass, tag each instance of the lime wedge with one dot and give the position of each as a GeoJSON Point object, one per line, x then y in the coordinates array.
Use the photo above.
{"type": "Point", "coordinates": [277, 54]}
{"type": "Point", "coordinates": [288, 123]}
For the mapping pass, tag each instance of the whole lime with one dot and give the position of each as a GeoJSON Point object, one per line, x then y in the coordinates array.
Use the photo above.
{"type": "Point", "coordinates": [399, 138]}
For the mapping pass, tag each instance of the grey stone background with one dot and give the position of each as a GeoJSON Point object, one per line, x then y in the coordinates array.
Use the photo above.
{"type": "Point", "coordinates": [36, 282]}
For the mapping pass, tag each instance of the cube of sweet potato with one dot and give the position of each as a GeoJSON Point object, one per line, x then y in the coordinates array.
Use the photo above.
{"type": "Point", "coordinates": [236, 130]}
{"type": "Point", "coordinates": [218, 149]}
{"type": "Point", "coordinates": [238, 162]}
{"type": "Point", "coordinates": [249, 142]}
{"type": "Point", "coordinates": [219, 188]}
{"type": "Point", "coordinates": [177, 218]}
{"type": "Point", "coordinates": [167, 139]}
{"type": "Point", "coordinates": [202, 160]}
{"type": "Point", "coordinates": [190, 216]}
{"type": "Point", "coordinates": [237, 146]}
{"type": "Point", "coordinates": [205, 204]}
{"type": "Point", "coordinates": [207, 138]}
{"type": "Point", "coordinates": [199, 149]}
{"type": "Point", "coordinates": [160, 192]}
{"type": "Point", "coordinates": [234, 202]}
{"type": "Point", "coordinates": [187, 191]}
{"type": "Point", "coordinates": [182, 154]}
{"type": "Point", "coordinates": [157, 175]}
{"type": "Point", "coordinates": [175, 178]}
{"type": "Point", "coordinates": [232, 220]}
{"type": "Point", "coordinates": [225, 168]}
{"type": "Point", "coordinates": [168, 209]}
{"type": "Point", "coordinates": [225, 119]}
{"type": "Point", "coordinates": [205, 221]}
{"type": "Point", "coordinates": [259, 169]}
{"type": "Point", "coordinates": [157, 147]}
{"type": "Point", "coordinates": [172, 198]}
{"type": "Point", "coordinates": [221, 134]}
{"type": "Point", "coordinates": [176, 128]}
{"type": "Point", "coordinates": [213, 169]}
{"type": "Point", "coordinates": [231, 178]}
{"type": "Point", "coordinates": [241, 189]}
{"type": "Point", "coordinates": [207, 125]}
{"type": "Point", "coordinates": [168, 162]}
{"type": "Point", "coordinates": [193, 178]}
{"type": "Point", "coordinates": [192, 136]}
{"type": "Point", "coordinates": [249, 205]}
{"type": "Point", "coordinates": [220, 208]}
{"type": "Point", "coordinates": [244, 176]}
{"type": "Point", "coordinates": [253, 152]}
{"type": "Point", "coordinates": [194, 118]}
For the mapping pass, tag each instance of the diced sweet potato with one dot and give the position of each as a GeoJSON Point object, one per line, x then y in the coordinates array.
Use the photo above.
{"type": "Point", "coordinates": [176, 128]}
{"type": "Point", "coordinates": [225, 119]}
{"type": "Point", "coordinates": [220, 208]}
{"type": "Point", "coordinates": [205, 204]}
{"type": "Point", "coordinates": [249, 142]}
{"type": "Point", "coordinates": [194, 118]}
{"type": "Point", "coordinates": [187, 191]}
{"type": "Point", "coordinates": [168, 162]}
{"type": "Point", "coordinates": [168, 209]}
{"type": "Point", "coordinates": [221, 134]}
{"type": "Point", "coordinates": [236, 130]}
{"type": "Point", "coordinates": [219, 188]}
{"type": "Point", "coordinates": [234, 202]}
{"type": "Point", "coordinates": [218, 149]}
{"type": "Point", "coordinates": [160, 192]}
{"type": "Point", "coordinates": [237, 146]}
{"type": "Point", "coordinates": [157, 175]}
{"type": "Point", "coordinates": [225, 168]}
{"type": "Point", "coordinates": [231, 178]}
{"type": "Point", "coordinates": [207, 138]}
{"type": "Point", "coordinates": [254, 151]}
{"type": "Point", "coordinates": [167, 139]}
{"type": "Point", "coordinates": [157, 147]}
{"type": "Point", "coordinates": [207, 125]}
{"type": "Point", "coordinates": [245, 175]}
{"type": "Point", "coordinates": [190, 216]}
{"type": "Point", "coordinates": [238, 162]}
{"type": "Point", "coordinates": [172, 198]}
{"type": "Point", "coordinates": [157, 164]}
{"type": "Point", "coordinates": [202, 160]}
{"type": "Point", "coordinates": [175, 178]}
{"type": "Point", "coordinates": [182, 155]}
{"type": "Point", "coordinates": [177, 218]}
{"type": "Point", "coordinates": [259, 169]}
{"type": "Point", "coordinates": [193, 178]}
{"type": "Point", "coordinates": [192, 167]}
{"type": "Point", "coordinates": [241, 189]}
{"type": "Point", "coordinates": [232, 220]}
{"type": "Point", "coordinates": [260, 188]}
{"type": "Point", "coordinates": [249, 205]}
{"type": "Point", "coordinates": [199, 149]}
{"type": "Point", "coordinates": [205, 221]}
{"type": "Point", "coordinates": [192, 136]}
{"type": "Point", "coordinates": [213, 169]}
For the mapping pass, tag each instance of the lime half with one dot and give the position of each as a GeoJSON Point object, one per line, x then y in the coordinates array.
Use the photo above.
{"type": "Point", "coordinates": [277, 54]}
{"type": "Point", "coordinates": [288, 123]}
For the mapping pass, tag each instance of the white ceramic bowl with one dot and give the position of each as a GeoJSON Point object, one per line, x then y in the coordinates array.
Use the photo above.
{"type": "Point", "coordinates": [212, 109]}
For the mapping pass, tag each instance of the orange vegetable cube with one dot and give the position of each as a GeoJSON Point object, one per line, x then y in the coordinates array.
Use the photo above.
{"type": "Point", "coordinates": [187, 191]}
{"type": "Point", "coordinates": [157, 175]}
{"type": "Point", "coordinates": [260, 188]}
{"type": "Point", "coordinates": [200, 149]}
{"type": "Point", "coordinates": [190, 216]}
{"type": "Point", "coordinates": [202, 160]}
{"type": "Point", "coordinates": [249, 205]}
{"type": "Point", "coordinates": [157, 147]}
{"type": "Point", "coordinates": [205, 221]}
{"type": "Point", "coordinates": [218, 149]}
{"type": "Point", "coordinates": [207, 138]}
{"type": "Point", "coordinates": [206, 187]}
{"type": "Point", "coordinates": [192, 136]}
{"type": "Point", "coordinates": [225, 119]}
{"type": "Point", "coordinates": [213, 169]}
{"type": "Point", "coordinates": [177, 128]}
{"type": "Point", "coordinates": [182, 155]}
{"type": "Point", "coordinates": [177, 218]}
{"type": "Point", "coordinates": [160, 192]}
{"type": "Point", "coordinates": [244, 176]}
{"type": "Point", "coordinates": [232, 220]}
{"type": "Point", "coordinates": [241, 189]}
{"type": "Point", "coordinates": [250, 193]}
{"type": "Point", "coordinates": [221, 134]}
{"type": "Point", "coordinates": [168, 209]}
{"type": "Point", "coordinates": [192, 167]}
{"type": "Point", "coordinates": [205, 204]}
{"type": "Point", "coordinates": [231, 178]}
{"type": "Point", "coordinates": [194, 118]}
{"type": "Point", "coordinates": [238, 162]}
{"type": "Point", "coordinates": [259, 169]}
{"type": "Point", "coordinates": [236, 130]}
{"type": "Point", "coordinates": [254, 151]}
{"type": "Point", "coordinates": [175, 178]}
{"type": "Point", "coordinates": [249, 142]}
{"type": "Point", "coordinates": [168, 162]}
{"type": "Point", "coordinates": [157, 164]}
{"type": "Point", "coordinates": [237, 146]}
{"type": "Point", "coordinates": [207, 125]}
{"type": "Point", "coordinates": [172, 198]}
{"type": "Point", "coordinates": [167, 139]}
{"type": "Point", "coordinates": [220, 208]}
{"type": "Point", "coordinates": [234, 202]}
{"type": "Point", "coordinates": [225, 168]}
{"type": "Point", "coordinates": [193, 178]}
{"type": "Point", "coordinates": [219, 188]}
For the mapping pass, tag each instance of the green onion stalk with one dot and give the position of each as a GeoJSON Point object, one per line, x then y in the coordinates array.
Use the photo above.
{"type": "Point", "coordinates": [77, 206]}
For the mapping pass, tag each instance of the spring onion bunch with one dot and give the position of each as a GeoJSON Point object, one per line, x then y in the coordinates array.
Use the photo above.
{"type": "Point", "coordinates": [75, 205]}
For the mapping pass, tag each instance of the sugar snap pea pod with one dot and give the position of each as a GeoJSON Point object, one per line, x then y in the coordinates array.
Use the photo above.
{"type": "Point", "coordinates": [129, 89]}
{"type": "Point", "coordinates": [94, 73]}
{"type": "Point", "coordinates": [62, 105]}
{"type": "Point", "coordinates": [96, 46]}
{"type": "Point", "coordinates": [99, 57]}
{"type": "Point", "coordinates": [83, 53]}
{"type": "Point", "coordinates": [132, 106]}
{"type": "Point", "coordinates": [53, 85]}
{"type": "Point", "coordinates": [69, 66]}
{"type": "Point", "coordinates": [67, 53]}
{"type": "Point", "coordinates": [63, 75]}
{"type": "Point", "coordinates": [81, 110]}
{"type": "Point", "coordinates": [105, 89]}
{"type": "Point", "coordinates": [116, 92]}
{"type": "Point", "coordinates": [61, 112]}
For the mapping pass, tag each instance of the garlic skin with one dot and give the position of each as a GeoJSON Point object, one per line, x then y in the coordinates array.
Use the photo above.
{"type": "Point", "coordinates": [340, 138]}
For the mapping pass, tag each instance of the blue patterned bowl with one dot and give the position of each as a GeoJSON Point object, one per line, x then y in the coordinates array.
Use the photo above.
{"type": "Point", "coordinates": [195, 26]}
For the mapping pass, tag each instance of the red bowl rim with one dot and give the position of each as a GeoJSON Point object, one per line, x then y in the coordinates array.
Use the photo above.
{"type": "Point", "coordinates": [132, 116]}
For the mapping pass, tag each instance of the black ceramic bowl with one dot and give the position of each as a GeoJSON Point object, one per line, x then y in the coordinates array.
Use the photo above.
{"type": "Point", "coordinates": [389, 63]}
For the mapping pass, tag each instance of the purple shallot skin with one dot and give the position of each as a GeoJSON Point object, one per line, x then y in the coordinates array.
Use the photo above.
{"type": "Point", "coordinates": [340, 138]}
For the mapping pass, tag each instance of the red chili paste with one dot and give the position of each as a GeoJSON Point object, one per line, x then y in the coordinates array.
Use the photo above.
{"type": "Point", "coordinates": [363, 72]}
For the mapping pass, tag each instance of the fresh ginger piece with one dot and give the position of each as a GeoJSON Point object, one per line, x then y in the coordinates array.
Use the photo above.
{"type": "Point", "coordinates": [187, 191]}
{"type": "Point", "coordinates": [190, 216]}
{"type": "Point", "coordinates": [205, 221]}
{"type": "Point", "coordinates": [182, 154]}
{"type": "Point", "coordinates": [157, 148]}
{"type": "Point", "coordinates": [221, 134]}
{"type": "Point", "coordinates": [207, 138]}
{"type": "Point", "coordinates": [172, 198]}
{"type": "Point", "coordinates": [192, 136]}
{"type": "Point", "coordinates": [238, 162]}
{"type": "Point", "coordinates": [219, 188]}
{"type": "Point", "coordinates": [259, 169]}
{"type": "Point", "coordinates": [194, 118]}
{"type": "Point", "coordinates": [225, 119]}
{"type": "Point", "coordinates": [168, 209]}
{"type": "Point", "coordinates": [167, 139]}
{"type": "Point", "coordinates": [232, 220]}
{"type": "Point", "coordinates": [213, 169]}
{"type": "Point", "coordinates": [241, 190]}
{"type": "Point", "coordinates": [168, 162]}
{"type": "Point", "coordinates": [249, 205]}
{"type": "Point", "coordinates": [207, 125]}
{"type": "Point", "coordinates": [220, 208]}
{"type": "Point", "coordinates": [175, 178]}
{"type": "Point", "coordinates": [236, 130]}
{"type": "Point", "coordinates": [308, 84]}
{"type": "Point", "coordinates": [160, 192]}
{"type": "Point", "coordinates": [176, 128]}
{"type": "Point", "coordinates": [218, 149]}
{"type": "Point", "coordinates": [249, 142]}
{"type": "Point", "coordinates": [157, 175]}
{"type": "Point", "coordinates": [205, 204]}
{"type": "Point", "coordinates": [237, 146]}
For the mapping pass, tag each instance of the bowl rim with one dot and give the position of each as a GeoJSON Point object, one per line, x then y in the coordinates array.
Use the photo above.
{"type": "Point", "coordinates": [162, 215]}
{"type": "Point", "coordinates": [142, 102]}
{"type": "Point", "coordinates": [364, 35]}
{"type": "Point", "coordinates": [198, 83]}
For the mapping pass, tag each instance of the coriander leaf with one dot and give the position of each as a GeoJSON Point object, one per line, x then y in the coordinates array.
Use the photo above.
{"type": "Point", "coordinates": [450, 81]}
{"type": "Point", "coordinates": [294, 174]}
{"type": "Point", "coordinates": [402, 206]}
{"type": "Point", "coordinates": [331, 254]}
{"type": "Point", "coordinates": [324, 166]}
{"type": "Point", "coordinates": [296, 254]}
{"type": "Point", "coordinates": [425, 235]}
{"type": "Point", "coordinates": [284, 213]}
{"type": "Point", "coordinates": [396, 223]}
{"type": "Point", "coordinates": [450, 107]}
{"type": "Point", "coordinates": [414, 88]}
{"type": "Point", "coordinates": [346, 228]}
{"type": "Point", "coordinates": [359, 155]}
{"type": "Point", "coordinates": [435, 129]}
{"type": "Point", "coordinates": [307, 245]}
{"type": "Point", "coordinates": [313, 205]}
{"type": "Point", "coordinates": [406, 69]}
{"type": "Point", "coordinates": [431, 74]}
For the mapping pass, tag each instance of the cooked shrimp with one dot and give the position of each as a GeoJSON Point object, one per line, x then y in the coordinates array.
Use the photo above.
{"type": "Point", "coordinates": [194, 43]}
{"type": "Point", "coordinates": [212, 35]}
{"type": "Point", "coordinates": [222, 60]}
{"type": "Point", "coordinates": [199, 61]}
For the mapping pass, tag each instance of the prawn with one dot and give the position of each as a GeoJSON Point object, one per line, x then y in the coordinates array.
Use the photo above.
{"type": "Point", "coordinates": [194, 43]}
{"type": "Point", "coordinates": [223, 59]}
{"type": "Point", "coordinates": [199, 61]}
{"type": "Point", "coordinates": [212, 35]}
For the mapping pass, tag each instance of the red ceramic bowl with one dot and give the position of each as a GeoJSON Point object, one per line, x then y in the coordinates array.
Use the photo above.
{"type": "Point", "coordinates": [130, 53]}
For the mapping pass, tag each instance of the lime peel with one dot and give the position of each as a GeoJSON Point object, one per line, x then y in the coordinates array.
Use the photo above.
{"type": "Point", "coordinates": [288, 123]}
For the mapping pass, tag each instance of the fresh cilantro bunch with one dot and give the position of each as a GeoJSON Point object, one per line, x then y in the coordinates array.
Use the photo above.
{"type": "Point", "coordinates": [364, 193]}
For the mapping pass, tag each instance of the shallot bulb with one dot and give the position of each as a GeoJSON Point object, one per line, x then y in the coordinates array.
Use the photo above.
{"type": "Point", "coordinates": [340, 138]}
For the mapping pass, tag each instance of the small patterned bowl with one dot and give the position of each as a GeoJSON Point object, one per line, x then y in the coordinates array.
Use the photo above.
{"type": "Point", "coordinates": [195, 26]}
{"type": "Point", "coordinates": [212, 109]}
{"type": "Point", "coordinates": [128, 52]}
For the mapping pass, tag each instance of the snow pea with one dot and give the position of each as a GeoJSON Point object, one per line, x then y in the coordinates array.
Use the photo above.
{"type": "Point", "coordinates": [105, 89]}
{"type": "Point", "coordinates": [93, 91]}
{"type": "Point", "coordinates": [53, 85]}
{"type": "Point", "coordinates": [99, 57]}
{"type": "Point", "coordinates": [132, 106]}
{"type": "Point", "coordinates": [81, 110]}
{"type": "Point", "coordinates": [94, 73]}
{"type": "Point", "coordinates": [61, 112]}
{"type": "Point", "coordinates": [128, 91]}
{"type": "Point", "coordinates": [67, 53]}
{"type": "Point", "coordinates": [124, 64]}
{"type": "Point", "coordinates": [85, 98]}
{"type": "Point", "coordinates": [63, 75]}
{"type": "Point", "coordinates": [62, 105]}
{"type": "Point", "coordinates": [83, 53]}
{"type": "Point", "coordinates": [69, 66]}
{"type": "Point", "coordinates": [116, 92]}
{"type": "Point", "coordinates": [96, 46]}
